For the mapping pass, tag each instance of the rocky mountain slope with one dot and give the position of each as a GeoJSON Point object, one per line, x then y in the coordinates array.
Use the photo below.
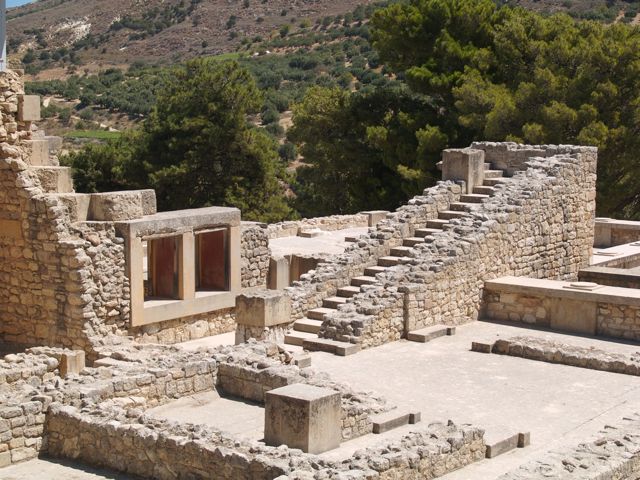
{"type": "Point", "coordinates": [54, 33]}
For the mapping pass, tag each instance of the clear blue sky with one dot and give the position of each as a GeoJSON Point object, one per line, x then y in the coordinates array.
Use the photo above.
{"type": "Point", "coordinates": [15, 3]}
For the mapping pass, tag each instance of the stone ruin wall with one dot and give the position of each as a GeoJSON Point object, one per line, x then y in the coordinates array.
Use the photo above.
{"type": "Point", "coordinates": [38, 269]}
{"type": "Point", "coordinates": [68, 277]}
{"type": "Point", "coordinates": [538, 224]}
{"type": "Point", "coordinates": [328, 224]}
{"type": "Point", "coordinates": [337, 270]}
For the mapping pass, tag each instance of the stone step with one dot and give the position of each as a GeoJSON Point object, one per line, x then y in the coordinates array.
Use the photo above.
{"type": "Point", "coordinates": [363, 280]}
{"type": "Point", "coordinates": [484, 190]}
{"type": "Point", "coordinates": [384, 422]}
{"type": "Point", "coordinates": [298, 338]}
{"type": "Point", "coordinates": [437, 223]}
{"type": "Point", "coordinates": [348, 292]}
{"type": "Point", "coordinates": [450, 214]}
{"type": "Point", "coordinates": [373, 271]}
{"type": "Point", "coordinates": [388, 261]}
{"type": "Point", "coordinates": [423, 232]}
{"type": "Point", "coordinates": [462, 206]}
{"type": "Point", "coordinates": [331, 346]}
{"type": "Point", "coordinates": [401, 251]}
{"type": "Point", "coordinates": [54, 179]}
{"type": "Point", "coordinates": [493, 173]}
{"type": "Point", "coordinates": [333, 302]}
{"type": "Point", "coordinates": [492, 182]}
{"type": "Point", "coordinates": [473, 198]}
{"type": "Point", "coordinates": [308, 325]}
{"type": "Point", "coordinates": [412, 241]}
{"type": "Point", "coordinates": [499, 445]}
{"type": "Point", "coordinates": [427, 334]}
{"type": "Point", "coordinates": [319, 313]}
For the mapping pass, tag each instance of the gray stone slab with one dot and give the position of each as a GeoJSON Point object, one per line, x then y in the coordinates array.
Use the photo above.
{"type": "Point", "coordinates": [427, 334]}
{"type": "Point", "coordinates": [303, 416]}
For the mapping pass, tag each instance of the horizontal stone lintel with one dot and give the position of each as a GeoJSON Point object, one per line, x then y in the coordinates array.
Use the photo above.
{"type": "Point", "coordinates": [179, 221]}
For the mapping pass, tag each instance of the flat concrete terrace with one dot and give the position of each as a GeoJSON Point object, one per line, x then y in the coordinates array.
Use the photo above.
{"type": "Point", "coordinates": [443, 379]}
{"type": "Point", "coordinates": [330, 243]}
{"type": "Point", "coordinates": [620, 254]}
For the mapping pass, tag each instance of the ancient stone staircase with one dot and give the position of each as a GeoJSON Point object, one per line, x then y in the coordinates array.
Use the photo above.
{"type": "Point", "coordinates": [306, 330]}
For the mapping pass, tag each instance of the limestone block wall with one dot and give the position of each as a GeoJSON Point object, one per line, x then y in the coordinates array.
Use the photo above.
{"type": "Point", "coordinates": [64, 277]}
{"type": "Point", "coordinates": [38, 301]}
{"type": "Point", "coordinates": [255, 255]}
{"type": "Point", "coordinates": [612, 319]}
{"type": "Point", "coordinates": [185, 451]}
{"type": "Point", "coordinates": [539, 223]}
{"type": "Point", "coordinates": [615, 277]}
{"type": "Point", "coordinates": [330, 223]}
{"type": "Point", "coordinates": [337, 271]}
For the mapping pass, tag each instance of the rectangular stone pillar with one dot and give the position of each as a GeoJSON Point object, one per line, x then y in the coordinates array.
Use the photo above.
{"type": "Point", "coordinates": [464, 164]}
{"type": "Point", "coordinates": [263, 315]}
{"type": "Point", "coordinates": [29, 108]}
{"type": "Point", "coordinates": [303, 416]}
{"type": "Point", "coordinates": [602, 233]}
{"type": "Point", "coordinates": [278, 278]}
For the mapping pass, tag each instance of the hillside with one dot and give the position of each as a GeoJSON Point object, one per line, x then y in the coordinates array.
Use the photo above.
{"type": "Point", "coordinates": [58, 35]}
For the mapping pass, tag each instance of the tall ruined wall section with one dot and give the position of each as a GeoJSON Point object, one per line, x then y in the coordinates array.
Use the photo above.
{"type": "Point", "coordinates": [37, 298]}
{"type": "Point", "coordinates": [539, 224]}
{"type": "Point", "coordinates": [64, 280]}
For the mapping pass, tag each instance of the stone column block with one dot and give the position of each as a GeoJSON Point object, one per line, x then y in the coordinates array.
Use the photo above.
{"type": "Point", "coordinates": [375, 216]}
{"type": "Point", "coordinates": [264, 308]}
{"type": "Point", "coordinates": [464, 164]}
{"type": "Point", "coordinates": [71, 363]}
{"type": "Point", "coordinates": [29, 108]}
{"type": "Point", "coordinates": [278, 278]}
{"type": "Point", "coordinates": [303, 416]}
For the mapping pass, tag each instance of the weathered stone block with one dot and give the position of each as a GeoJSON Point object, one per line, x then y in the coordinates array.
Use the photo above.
{"type": "Point", "coordinates": [72, 363]}
{"type": "Point", "coordinates": [265, 308]}
{"type": "Point", "coordinates": [29, 108]}
{"type": "Point", "coordinates": [116, 206]}
{"type": "Point", "coordinates": [11, 229]}
{"type": "Point", "coordinates": [303, 416]}
{"type": "Point", "coordinates": [464, 164]}
{"type": "Point", "coordinates": [375, 216]}
{"type": "Point", "coordinates": [38, 152]}
{"type": "Point", "coordinates": [278, 278]}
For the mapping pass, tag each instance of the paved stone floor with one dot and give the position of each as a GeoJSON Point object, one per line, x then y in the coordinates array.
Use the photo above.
{"type": "Point", "coordinates": [326, 242]}
{"type": "Point", "coordinates": [238, 417]}
{"type": "Point", "coordinates": [48, 469]}
{"type": "Point", "coordinates": [444, 380]}
{"type": "Point", "coordinates": [505, 395]}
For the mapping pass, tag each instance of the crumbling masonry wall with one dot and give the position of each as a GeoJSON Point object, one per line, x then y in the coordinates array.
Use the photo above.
{"type": "Point", "coordinates": [337, 270]}
{"type": "Point", "coordinates": [64, 277]}
{"type": "Point", "coordinates": [539, 223]}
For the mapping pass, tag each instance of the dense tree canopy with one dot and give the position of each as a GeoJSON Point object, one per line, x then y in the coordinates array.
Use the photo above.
{"type": "Point", "coordinates": [512, 74]}
{"type": "Point", "coordinates": [370, 152]}
{"type": "Point", "coordinates": [197, 147]}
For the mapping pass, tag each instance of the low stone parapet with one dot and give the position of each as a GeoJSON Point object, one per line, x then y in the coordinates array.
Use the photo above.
{"type": "Point", "coordinates": [542, 350]}
{"type": "Point", "coordinates": [575, 307]}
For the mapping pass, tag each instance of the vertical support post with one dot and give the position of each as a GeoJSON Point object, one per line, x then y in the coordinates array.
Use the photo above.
{"type": "Point", "coordinates": [3, 35]}
{"type": "Point", "coordinates": [464, 164]}
{"type": "Point", "coordinates": [187, 267]}
{"type": "Point", "coordinates": [135, 270]}
{"type": "Point", "coordinates": [235, 262]}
